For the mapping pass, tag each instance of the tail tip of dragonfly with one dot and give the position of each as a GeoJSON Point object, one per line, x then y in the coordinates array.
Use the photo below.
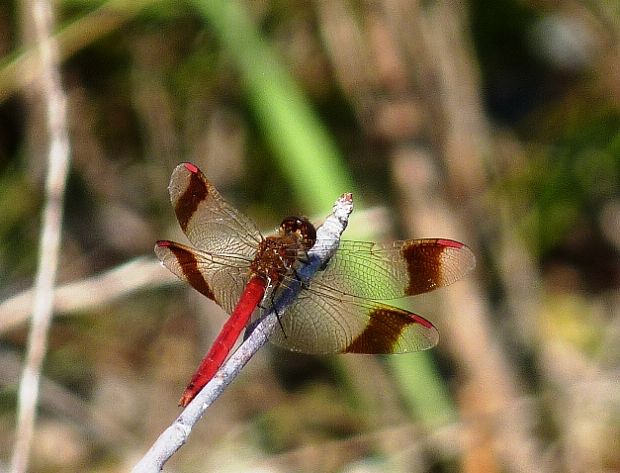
{"type": "Point", "coordinates": [185, 399]}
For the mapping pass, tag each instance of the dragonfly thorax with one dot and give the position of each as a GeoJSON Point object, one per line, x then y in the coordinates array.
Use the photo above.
{"type": "Point", "coordinates": [279, 253]}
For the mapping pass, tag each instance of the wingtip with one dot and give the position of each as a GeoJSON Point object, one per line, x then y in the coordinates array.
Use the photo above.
{"type": "Point", "coordinates": [451, 243]}
{"type": "Point", "coordinates": [466, 250]}
{"type": "Point", "coordinates": [418, 319]}
{"type": "Point", "coordinates": [191, 167]}
{"type": "Point", "coordinates": [431, 333]}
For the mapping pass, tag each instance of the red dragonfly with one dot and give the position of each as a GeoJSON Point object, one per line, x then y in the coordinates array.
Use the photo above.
{"type": "Point", "coordinates": [336, 312]}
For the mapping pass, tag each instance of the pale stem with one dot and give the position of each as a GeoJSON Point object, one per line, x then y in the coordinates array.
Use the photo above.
{"type": "Point", "coordinates": [49, 244]}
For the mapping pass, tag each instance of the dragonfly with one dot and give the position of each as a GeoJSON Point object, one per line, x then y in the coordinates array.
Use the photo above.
{"type": "Point", "coordinates": [340, 310]}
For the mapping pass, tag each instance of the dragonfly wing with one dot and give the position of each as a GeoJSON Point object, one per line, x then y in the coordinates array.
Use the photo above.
{"type": "Point", "coordinates": [388, 271]}
{"type": "Point", "coordinates": [207, 219]}
{"type": "Point", "coordinates": [221, 279]}
{"type": "Point", "coordinates": [317, 324]}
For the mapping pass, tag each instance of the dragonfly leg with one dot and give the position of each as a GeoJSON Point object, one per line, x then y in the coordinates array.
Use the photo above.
{"type": "Point", "coordinates": [272, 306]}
{"type": "Point", "coordinates": [272, 296]}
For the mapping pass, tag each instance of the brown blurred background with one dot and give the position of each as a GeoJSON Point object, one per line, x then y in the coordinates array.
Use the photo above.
{"type": "Point", "coordinates": [493, 122]}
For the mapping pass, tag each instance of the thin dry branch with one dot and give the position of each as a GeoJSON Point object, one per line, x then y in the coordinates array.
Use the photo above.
{"type": "Point", "coordinates": [94, 292]}
{"type": "Point", "coordinates": [328, 239]}
{"type": "Point", "coordinates": [58, 165]}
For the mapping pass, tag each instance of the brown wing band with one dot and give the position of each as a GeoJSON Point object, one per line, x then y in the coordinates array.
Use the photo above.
{"type": "Point", "coordinates": [383, 331]}
{"type": "Point", "coordinates": [424, 264]}
{"type": "Point", "coordinates": [194, 194]}
{"type": "Point", "coordinates": [189, 266]}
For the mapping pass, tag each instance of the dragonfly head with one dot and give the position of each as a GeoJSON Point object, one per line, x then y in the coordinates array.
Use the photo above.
{"type": "Point", "coordinates": [300, 228]}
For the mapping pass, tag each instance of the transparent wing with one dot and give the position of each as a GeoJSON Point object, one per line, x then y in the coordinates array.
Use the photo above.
{"type": "Point", "coordinates": [226, 241]}
{"type": "Point", "coordinates": [220, 278]}
{"type": "Point", "coordinates": [320, 323]}
{"type": "Point", "coordinates": [210, 223]}
{"type": "Point", "coordinates": [338, 312]}
{"type": "Point", "coordinates": [388, 271]}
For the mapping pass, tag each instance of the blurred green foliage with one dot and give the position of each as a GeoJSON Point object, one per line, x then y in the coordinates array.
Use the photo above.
{"type": "Point", "coordinates": [575, 169]}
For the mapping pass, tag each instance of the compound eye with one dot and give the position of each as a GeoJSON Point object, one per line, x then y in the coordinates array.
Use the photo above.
{"type": "Point", "coordinates": [290, 224]}
{"type": "Point", "coordinates": [307, 230]}
{"type": "Point", "coordinates": [301, 226]}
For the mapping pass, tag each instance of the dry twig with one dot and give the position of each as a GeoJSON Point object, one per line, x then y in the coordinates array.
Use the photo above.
{"type": "Point", "coordinates": [58, 165]}
{"type": "Point", "coordinates": [86, 294]}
